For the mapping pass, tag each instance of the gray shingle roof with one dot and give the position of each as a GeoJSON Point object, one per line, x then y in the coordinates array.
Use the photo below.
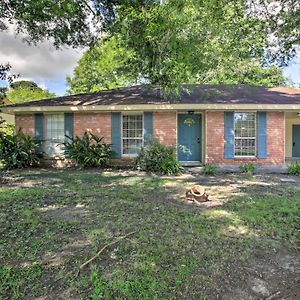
{"type": "Point", "coordinates": [189, 94]}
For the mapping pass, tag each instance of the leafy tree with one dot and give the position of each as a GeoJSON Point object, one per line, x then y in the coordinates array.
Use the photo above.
{"type": "Point", "coordinates": [181, 41]}
{"type": "Point", "coordinates": [5, 73]}
{"type": "Point", "coordinates": [81, 22]}
{"type": "Point", "coordinates": [247, 72]}
{"type": "Point", "coordinates": [24, 84]}
{"type": "Point", "coordinates": [24, 91]}
{"type": "Point", "coordinates": [172, 40]}
{"type": "Point", "coordinates": [102, 67]}
{"type": "Point", "coordinates": [66, 22]}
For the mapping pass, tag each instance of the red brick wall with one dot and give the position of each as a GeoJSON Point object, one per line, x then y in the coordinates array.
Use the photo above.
{"type": "Point", "coordinates": [25, 123]}
{"type": "Point", "coordinates": [215, 140]}
{"type": "Point", "coordinates": [276, 138]}
{"type": "Point", "coordinates": [214, 150]}
{"type": "Point", "coordinates": [97, 123]}
{"type": "Point", "coordinates": [164, 127]}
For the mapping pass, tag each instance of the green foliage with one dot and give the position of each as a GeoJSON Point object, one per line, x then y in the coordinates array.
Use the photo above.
{"type": "Point", "coordinates": [248, 168]}
{"type": "Point", "coordinates": [294, 168]}
{"type": "Point", "coordinates": [24, 84]}
{"type": "Point", "coordinates": [76, 23]}
{"type": "Point", "coordinates": [247, 72]}
{"type": "Point", "coordinates": [210, 169]}
{"type": "Point", "coordinates": [102, 67]}
{"type": "Point", "coordinates": [158, 159]}
{"type": "Point", "coordinates": [88, 150]}
{"type": "Point", "coordinates": [18, 150]}
{"type": "Point", "coordinates": [6, 128]}
{"type": "Point", "coordinates": [23, 91]}
{"type": "Point", "coordinates": [5, 69]}
{"type": "Point", "coordinates": [180, 41]}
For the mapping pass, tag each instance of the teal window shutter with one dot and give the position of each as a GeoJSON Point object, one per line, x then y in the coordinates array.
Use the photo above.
{"type": "Point", "coordinates": [69, 126]}
{"type": "Point", "coordinates": [116, 134]}
{"type": "Point", "coordinates": [228, 134]}
{"type": "Point", "coordinates": [39, 130]}
{"type": "Point", "coordinates": [262, 151]}
{"type": "Point", "coordinates": [148, 127]}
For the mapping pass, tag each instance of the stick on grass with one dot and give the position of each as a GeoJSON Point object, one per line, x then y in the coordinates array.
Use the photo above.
{"type": "Point", "coordinates": [106, 246]}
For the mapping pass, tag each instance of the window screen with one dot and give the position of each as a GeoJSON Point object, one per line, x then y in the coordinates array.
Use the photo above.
{"type": "Point", "coordinates": [132, 135]}
{"type": "Point", "coordinates": [245, 133]}
{"type": "Point", "coordinates": [55, 135]}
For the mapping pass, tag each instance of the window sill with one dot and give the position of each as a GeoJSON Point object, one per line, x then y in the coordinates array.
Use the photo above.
{"type": "Point", "coordinates": [129, 156]}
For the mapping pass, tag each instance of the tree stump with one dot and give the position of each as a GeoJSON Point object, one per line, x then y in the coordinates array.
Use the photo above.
{"type": "Point", "coordinates": [196, 194]}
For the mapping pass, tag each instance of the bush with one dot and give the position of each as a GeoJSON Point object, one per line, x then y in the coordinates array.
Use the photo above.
{"type": "Point", "coordinates": [158, 159]}
{"type": "Point", "coordinates": [6, 128]}
{"type": "Point", "coordinates": [210, 169]}
{"type": "Point", "coordinates": [248, 168]}
{"type": "Point", "coordinates": [88, 151]}
{"type": "Point", "coordinates": [294, 168]}
{"type": "Point", "coordinates": [18, 151]}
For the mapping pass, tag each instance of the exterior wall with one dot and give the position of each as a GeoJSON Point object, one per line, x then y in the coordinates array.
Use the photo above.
{"type": "Point", "coordinates": [290, 120]}
{"type": "Point", "coordinates": [215, 141]}
{"type": "Point", "coordinates": [25, 123]}
{"type": "Point", "coordinates": [214, 153]}
{"type": "Point", "coordinates": [10, 119]}
{"type": "Point", "coordinates": [165, 127]}
{"type": "Point", "coordinates": [97, 123]}
{"type": "Point", "coordinates": [165, 131]}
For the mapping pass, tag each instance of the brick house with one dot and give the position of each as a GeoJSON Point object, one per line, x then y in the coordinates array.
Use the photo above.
{"type": "Point", "coordinates": [208, 124]}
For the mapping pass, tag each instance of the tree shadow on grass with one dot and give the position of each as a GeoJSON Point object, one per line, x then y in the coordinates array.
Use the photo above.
{"type": "Point", "coordinates": [178, 251]}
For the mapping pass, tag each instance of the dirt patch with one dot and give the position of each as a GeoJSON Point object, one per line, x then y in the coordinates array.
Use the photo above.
{"type": "Point", "coordinates": [267, 276]}
{"type": "Point", "coordinates": [222, 188]}
{"type": "Point", "coordinates": [68, 213]}
{"type": "Point", "coordinates": [14, 181]}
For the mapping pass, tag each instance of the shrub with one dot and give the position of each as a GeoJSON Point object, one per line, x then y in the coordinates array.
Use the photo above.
{"type": "Point", "coordinates": [158, 159]}
{"type": "Point", "coordinates": [88, 150]}
{"type": "Point", "coordinates": [210, 169]}
{"type": "Point", "coordinates": [18, 150]}
{"type": "Point", "coordinates": [6, 128]}
{"type": "Point", "coordinates": [294, 168]}
{"type": "Point", "coordinates": [248, 168]}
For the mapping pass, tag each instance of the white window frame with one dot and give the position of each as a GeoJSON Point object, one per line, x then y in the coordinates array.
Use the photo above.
{"type": "Point", "coordinates": [122, 137]}
{"type": "Point", "coordinates": [246, 138]}
{"type": "Point", "coordinates": [46, 137]}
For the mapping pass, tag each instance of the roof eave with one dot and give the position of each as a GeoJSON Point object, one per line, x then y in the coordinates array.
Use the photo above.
{"type": "Point", "coordinates": [150, 107]}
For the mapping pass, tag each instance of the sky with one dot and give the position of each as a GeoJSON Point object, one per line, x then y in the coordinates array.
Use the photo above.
{"type": "Point", "coordinates": [43, 64]}
{"type": "Point", "coordinates": [49, 67]}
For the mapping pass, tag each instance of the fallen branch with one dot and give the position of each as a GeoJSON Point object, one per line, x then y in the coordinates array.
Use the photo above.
{"type": "Point", "coordinates": [106, 246]}
{"type": "Point", "coordinates": [273, 296]}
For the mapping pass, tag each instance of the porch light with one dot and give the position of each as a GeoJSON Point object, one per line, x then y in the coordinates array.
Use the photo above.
{"type": "Point", "coordinates": [191, 112]}
{"type": "Point", "coordinates": [298, 113]}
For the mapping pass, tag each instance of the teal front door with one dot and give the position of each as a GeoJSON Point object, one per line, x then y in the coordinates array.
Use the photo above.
{"type": "Point", "coordinates": [296, 140]}
{"type": "Point", "coordinates": [189, 137]}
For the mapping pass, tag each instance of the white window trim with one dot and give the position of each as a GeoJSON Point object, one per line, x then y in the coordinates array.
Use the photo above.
{"type": "Point", "coordinates": [131, 114]}
{"type": "Point", "coordinates": [45, 135]}
{"type": "Point", "coordinates": [241, 138]}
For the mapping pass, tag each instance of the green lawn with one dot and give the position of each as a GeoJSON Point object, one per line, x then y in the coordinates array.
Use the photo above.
{"type": "Point", "coordinates": [53, 221]}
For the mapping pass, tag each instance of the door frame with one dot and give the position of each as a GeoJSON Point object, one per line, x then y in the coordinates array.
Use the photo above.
{"type": "Point", "coordinates": [293, 125]}
{"type": "Point", "coordinates": [202, 124]}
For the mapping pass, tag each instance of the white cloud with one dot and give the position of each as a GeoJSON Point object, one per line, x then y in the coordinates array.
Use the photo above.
{"type": "Point", "coordinates": [41, 63]}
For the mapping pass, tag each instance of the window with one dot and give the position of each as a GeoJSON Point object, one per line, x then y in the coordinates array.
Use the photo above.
{"type": "Point", "coordinates": [54, 135]}
{"type": "Point", "coordinates": [132, 134]}
{"type": "Point", "coordinates": [244, 132]}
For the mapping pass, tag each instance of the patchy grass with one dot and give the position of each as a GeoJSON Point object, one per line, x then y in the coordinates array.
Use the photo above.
{"type": "Point", "coordinates": [52, 222]}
